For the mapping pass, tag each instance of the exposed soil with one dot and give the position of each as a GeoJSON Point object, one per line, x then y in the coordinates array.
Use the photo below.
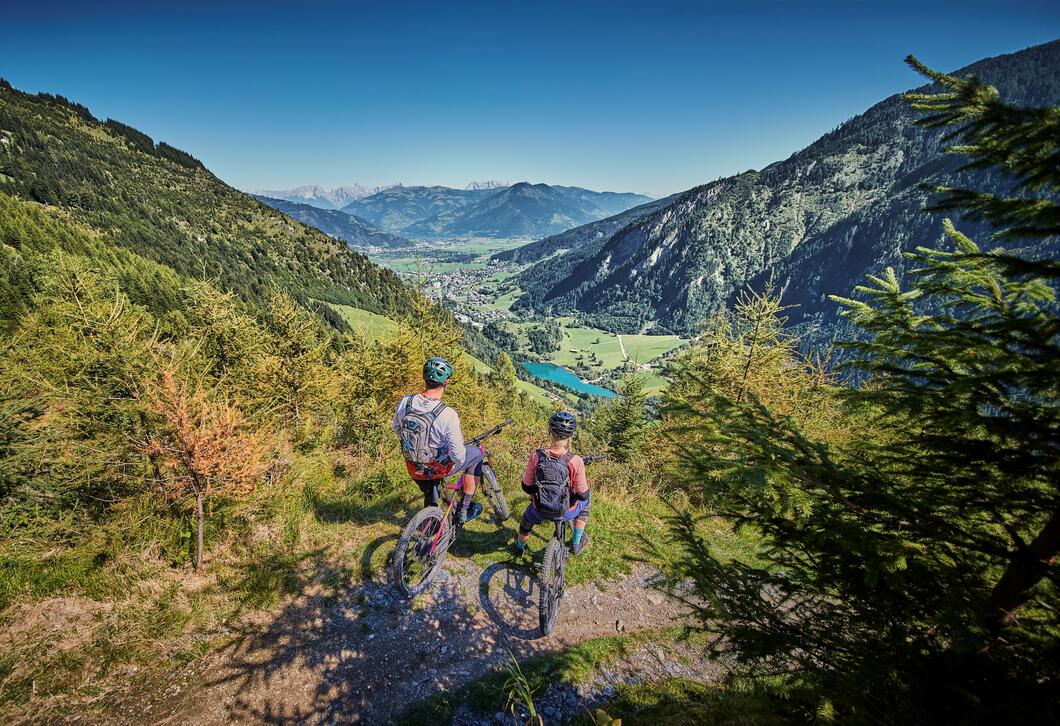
{"type": "Point", "coordinates": [369, 655]}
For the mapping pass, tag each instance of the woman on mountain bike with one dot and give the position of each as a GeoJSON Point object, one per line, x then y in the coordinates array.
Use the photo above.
{"type": "Point", "coordinates": [555, 480]}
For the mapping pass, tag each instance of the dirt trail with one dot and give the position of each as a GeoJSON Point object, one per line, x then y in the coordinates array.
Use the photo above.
{"type": "Point", "coordinates": [368, 656]}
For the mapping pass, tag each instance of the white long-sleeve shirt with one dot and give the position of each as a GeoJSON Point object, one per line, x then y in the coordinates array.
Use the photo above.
{"type": "Point", "coordinates": [446, 437]}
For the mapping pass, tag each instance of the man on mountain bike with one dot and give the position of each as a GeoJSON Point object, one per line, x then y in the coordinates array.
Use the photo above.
{"type": "Point", "coordinates": [432, 442]}
{"type": "Point", "coordinates": [555, 480]}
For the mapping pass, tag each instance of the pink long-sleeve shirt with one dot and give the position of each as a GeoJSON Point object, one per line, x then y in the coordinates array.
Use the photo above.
{"type": "Point", "coordinates": [575, 467]}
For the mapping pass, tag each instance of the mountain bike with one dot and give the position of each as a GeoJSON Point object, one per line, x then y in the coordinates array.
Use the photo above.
{"type": "Point", "coordinates": [554, 570]}
{"type": "Point", "coordinates": [426, 539]}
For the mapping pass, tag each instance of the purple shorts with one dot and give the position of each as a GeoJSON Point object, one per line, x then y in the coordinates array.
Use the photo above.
{"type": "Point", "coordinates": [580, 509]}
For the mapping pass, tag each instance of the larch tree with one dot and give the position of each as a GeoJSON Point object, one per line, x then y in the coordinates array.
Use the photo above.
{"type": "Point", "coordinates": [292, 377]}
{"type": "Point", "coordinates": [199, 444]}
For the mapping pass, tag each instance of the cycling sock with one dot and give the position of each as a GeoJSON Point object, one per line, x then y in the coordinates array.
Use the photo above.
{"type": "Point", "coordinates": [520, 544]}
{"type": "Point", "coordinates": [465, 501]}
{"type": "Point", "coordinates": [577, 536]}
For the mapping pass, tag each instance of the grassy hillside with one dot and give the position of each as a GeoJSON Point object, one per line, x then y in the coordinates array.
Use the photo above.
{"type": "Point", "coordinates": [371, 324]}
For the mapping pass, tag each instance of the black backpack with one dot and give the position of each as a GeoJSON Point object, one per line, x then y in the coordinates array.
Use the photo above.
{"type": "Point", "coordinates": [553, 484]}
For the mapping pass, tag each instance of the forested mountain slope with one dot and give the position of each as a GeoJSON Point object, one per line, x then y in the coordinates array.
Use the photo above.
{"type": "Point", "coordinates": [349, 228]}
{"type": "Point", "coordinates": [162, 205]}
{"type": "Point", "coordinates": [526, 210]}
{"type": "Point", "coordinates": [567, 250]}
{"type": "Point", "coordinates": [849, 203]}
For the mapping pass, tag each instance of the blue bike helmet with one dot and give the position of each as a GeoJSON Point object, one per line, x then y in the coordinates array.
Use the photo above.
{"type": "Point", "coordinates": [561, 424]}
{"type": "Point", "coordinates": [437, 370]}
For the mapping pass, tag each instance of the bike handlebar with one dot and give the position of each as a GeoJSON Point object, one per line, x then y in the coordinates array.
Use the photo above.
{"type": "Point", "coordinates": [492, 432]}
{"type": "Point", "coordinates": [587, 460]}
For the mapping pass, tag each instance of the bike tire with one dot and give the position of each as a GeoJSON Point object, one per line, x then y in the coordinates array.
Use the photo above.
{"type": "Point", "coordinates": [551, 587]}
{"type": "Point", "coordinates": [501, 512]}
{"type": "Point", "coordinates": [412, 576]}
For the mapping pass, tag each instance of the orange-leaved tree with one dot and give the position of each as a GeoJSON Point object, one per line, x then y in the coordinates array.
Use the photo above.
{"type": "Point", "coordinates": [200, 443]}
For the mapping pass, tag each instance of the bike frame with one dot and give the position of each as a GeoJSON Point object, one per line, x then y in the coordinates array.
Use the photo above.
{"type": "Point", "coordinates": [451, 500]}
{"type": "Point", "coordinates": [444, 528]}
{"type": "Point", "coordinates": [560, 535]}
{"type": "Point", "coordinates": [561, 531]}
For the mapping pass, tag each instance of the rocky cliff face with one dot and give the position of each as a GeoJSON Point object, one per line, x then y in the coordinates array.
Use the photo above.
{"type": "Point", "coordinates": [491, 184]}
{"type": "Point", "coordinates": [848, 204]}
{"type": "Point", "coordinates": [317, 196]}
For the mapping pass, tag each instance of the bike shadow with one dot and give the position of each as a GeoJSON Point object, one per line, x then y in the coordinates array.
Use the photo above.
{"type": "Point", "coordinates": [377, 557]}
{"type": "Point", "coordinates": [509, 596]}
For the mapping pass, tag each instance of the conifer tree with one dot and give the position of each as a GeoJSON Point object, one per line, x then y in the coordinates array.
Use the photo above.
{"type": "Point", "coordinates": [77, 356]}
{"type": "Point", "coordinates": [912, 574]}
{"type": "Point", "coordinates": [229, 339]}
{"type": "Point", "coordinates": [622, 422]}
{"type": "Point", "coordinates": [18, 450]}
{"type": "Point", "coordinates": [292, 379]}
{"type": "Point", "coordinates": [504, 377]}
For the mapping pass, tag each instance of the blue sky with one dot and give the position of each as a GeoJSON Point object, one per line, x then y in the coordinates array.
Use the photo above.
{"type": "Point", "coordinates": [653, 97]}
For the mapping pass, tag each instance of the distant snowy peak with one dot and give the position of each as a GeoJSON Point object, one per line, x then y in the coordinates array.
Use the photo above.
{"type": "Point", "coordinates": [478, 186]}
{"type": "Point", "coordinates": [322, 197]}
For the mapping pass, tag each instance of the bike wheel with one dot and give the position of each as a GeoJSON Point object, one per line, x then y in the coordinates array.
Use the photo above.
{"type": "Point", "coordinates": [551, 586]}
{"type": "Point", "coordinates": [496, 496]}
{"type": "Point", "coordinates": [417, 558]}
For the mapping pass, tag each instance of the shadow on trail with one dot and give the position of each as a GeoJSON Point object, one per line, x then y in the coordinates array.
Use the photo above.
{"type": "Point", "coordinates": [377, 558]}
{"type": "Point", "coordinates": [360, 658]}
{"type": "Point", "coordinates": [341, 652]}
{"type": "Point", "coordinates": [278, 574]}
{"type": "Point", "coordinates": [509, 597]}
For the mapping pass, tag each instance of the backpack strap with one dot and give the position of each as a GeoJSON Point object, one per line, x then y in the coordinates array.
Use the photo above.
{"type": "Point", "coordinates": [537, 469]}
{"type": "Point", "coordinates": [432, 414]}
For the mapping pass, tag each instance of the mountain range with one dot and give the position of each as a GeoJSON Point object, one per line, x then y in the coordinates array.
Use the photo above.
{"type": "Point", "coordinates": [317, 196]}
{"type": "Point", "coordinates": [349, 228]}
{"type": "Point", "coordinates": [815, 224]}
{"type": "Point", "coordinates": [398, 207]}
{"type": "Point", "coordinates": [321, 197]}
{"type": "Point", "coordinates": [525, 210]}
{"type": "Point", "coordinates": [491, 184]}
{"type": "Point", "coordinates": [486, 210]}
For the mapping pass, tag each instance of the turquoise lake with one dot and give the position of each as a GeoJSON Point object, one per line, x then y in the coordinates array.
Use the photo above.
{"type": "Point", "coordinates": [564, 377]}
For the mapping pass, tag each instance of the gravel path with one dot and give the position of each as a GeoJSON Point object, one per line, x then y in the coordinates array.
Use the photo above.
{"type": "Point", "coordinates": [367, 656]}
